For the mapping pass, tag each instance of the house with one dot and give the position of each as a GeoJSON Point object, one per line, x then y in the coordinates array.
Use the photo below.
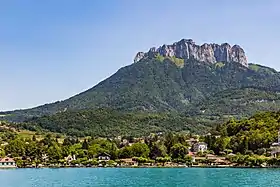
{"type": "Point", "coordinates": [275, 147]}
{"type": "Point", "coordinates": [217, 160]}
{"type": "Point", "coordinates": [45, 157]}
{"type": "Point", "coordinates": [200, 147]}
{"type": "Point", "coordinates": [222, 161]}
{"type": "Point", "coordinates": [198, 159]}
{"type": "Point", "coordinates": [70, 158]}
{"type": "Point", "coordinates": [7, 163]}
{"type": "Point", "coordinates": [104, 157]}
{"type": "Point", "coordinates": [210, 159]}
{"type": "Point", "coordinates": [128, 162]}
{"type": "Point", "coordinates": [124, 142]}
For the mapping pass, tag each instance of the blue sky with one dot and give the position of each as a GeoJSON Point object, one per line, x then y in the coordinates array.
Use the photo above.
{"type": "Point", "coordinates": [51, 50]}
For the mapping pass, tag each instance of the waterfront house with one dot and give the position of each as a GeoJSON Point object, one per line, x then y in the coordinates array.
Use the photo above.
{"type": "Point", "coordinates": [7, 163]}
{"type": "Point", "coordinates": [128, 162]}
{"type": "Point", "coordinates": [275, 147]}
{"type": "Point", "coordinates": [275, 150]}
{"type": "Point", "coordinates": [70, 158]}
{"type": "Point", "coordinates": [200, 147]}
{"type": "Point", "coordinates": [221, 161]}
{"type": "Point", "coordinates": [210, 159]}
{"type": "Point", "coordinates": [198, 159]}
{"type": "Point", "coordinates": [104, 157]}
{"type": "Point", "coordinates": [216, 160]}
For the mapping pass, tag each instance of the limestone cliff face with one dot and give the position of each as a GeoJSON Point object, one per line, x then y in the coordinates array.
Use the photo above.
{"type": "Point", "coordinates": [209, 53]}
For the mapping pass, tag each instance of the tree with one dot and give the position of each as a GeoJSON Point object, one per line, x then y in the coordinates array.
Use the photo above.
{"type": "Point", "coordinates": [31, 149]}
{"type": "Point", "coordinates": [181, 138]}
{"type": "Point", "coordinates": [158, 150]}
{"type": "Point", "coordinates": [93, 150]}
{"type": "Point", "coordinates": [188, 160]}
{"type": "Point", "coordinates": [2, 152]}
{"type": "Point", "coordinates": [67, 142]}
{"type": "Point", "coordinates": [125, 152]}
{"type": "Point", "coordinates": [54, 152]}
{"type": "Point", "coordinates": [47, 140]}
{"type": "Point", "coordinates": [16, 148]}
{"type": "Point", "coordinates": [245, 145]}
{"type": "Point", "coordinates": [85, 144]}
{"type": "Point", "coordinates": [169, 141]}
{"type": "Point", "coordinates": [210, 140]}
{"type": "Point", "coordinates": [178, 151]}
{"type": "Point", "coordinates": [221, 144]}
{"type": "Point", "coordinates": [163, 160]}
{"type": "Point", "coordinates": [140, 159]}
{"type": "Point", "coordinates": [113, 151]}
{"type": "Point", "coordinates": [228, 151]}
{"type": "Point", "coordinates": [140, 150]}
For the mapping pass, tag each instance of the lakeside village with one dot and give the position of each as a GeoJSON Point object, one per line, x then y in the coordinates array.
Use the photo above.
{"type": "Point", "coordinates": [156, 150]}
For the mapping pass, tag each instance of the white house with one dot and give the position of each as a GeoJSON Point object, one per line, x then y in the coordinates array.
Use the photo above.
{"type": "Point", "coordinates": [104, 157]}
{"type": "Point", "coordinates": [7, 163]}
{"type": "Point", "coordinates": [275, 147]}
{"type": "Point", "coordinates": [200, 147]}
{"type": "Point", "coordinates": [70, 158]}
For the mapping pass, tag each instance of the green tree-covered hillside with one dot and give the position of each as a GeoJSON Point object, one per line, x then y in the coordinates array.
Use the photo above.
{"type": "Point", "coordinates": [111, 123]}
{"type": "Point", "coordinates": [160, 84]}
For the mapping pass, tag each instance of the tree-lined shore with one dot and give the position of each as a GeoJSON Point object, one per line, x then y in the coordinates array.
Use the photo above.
{"type": "Point", "coordinates": [236, 143]}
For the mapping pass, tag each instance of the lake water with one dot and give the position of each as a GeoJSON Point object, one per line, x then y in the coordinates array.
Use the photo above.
{"type": "Point", "coordinates": [90, 177]}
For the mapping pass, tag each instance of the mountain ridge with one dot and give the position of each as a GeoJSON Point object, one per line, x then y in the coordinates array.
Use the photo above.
{"type": "Point", "coordinates": [166, 83]}
{"type": "Point", "coordinates": [188, 49]}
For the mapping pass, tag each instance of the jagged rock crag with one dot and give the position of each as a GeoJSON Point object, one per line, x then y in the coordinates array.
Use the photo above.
{"type": "Point", "coordinates": [209, 53]}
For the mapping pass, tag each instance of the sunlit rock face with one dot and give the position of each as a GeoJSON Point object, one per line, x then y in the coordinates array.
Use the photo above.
{"type": "Point", "coordinates": [187, 49]}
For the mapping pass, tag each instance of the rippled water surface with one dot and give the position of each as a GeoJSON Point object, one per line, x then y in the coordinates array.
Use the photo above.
{"type": "Point", "coordinates": [90, 177]}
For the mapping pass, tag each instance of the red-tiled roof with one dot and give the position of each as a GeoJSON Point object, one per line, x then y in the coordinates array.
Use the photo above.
{"type": "Point", "coordinates": [6, 160]}
{"type": "Point", "coordinates": [191, 153]}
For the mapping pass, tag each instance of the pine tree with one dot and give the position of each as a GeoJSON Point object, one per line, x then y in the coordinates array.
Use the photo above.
{"type": "Point", "coordinates": [85, 144]}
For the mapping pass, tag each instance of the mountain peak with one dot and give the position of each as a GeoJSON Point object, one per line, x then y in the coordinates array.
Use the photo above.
{"type": "Point", "coordinates": [188, 49]}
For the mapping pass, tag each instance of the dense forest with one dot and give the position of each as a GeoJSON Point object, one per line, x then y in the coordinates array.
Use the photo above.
{"type": "Point", "coordinates": [254, 135]}
{"type": "Point", "coordinates": [111, 123]}
{"type": "Point", "coordinates": [237, 103]}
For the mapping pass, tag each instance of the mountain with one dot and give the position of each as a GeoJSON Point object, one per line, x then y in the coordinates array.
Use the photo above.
{"type": "Point", "coordinates": [207, 80]}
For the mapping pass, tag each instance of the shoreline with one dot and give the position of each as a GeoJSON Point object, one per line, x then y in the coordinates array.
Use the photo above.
{"type": "Point", "coordinates": [138, 167]}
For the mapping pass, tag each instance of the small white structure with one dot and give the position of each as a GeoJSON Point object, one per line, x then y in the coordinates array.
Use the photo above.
{"type": "Point", "coordinates": [7, 163]}
{"type": "Point", "coordinates": [104, 157]}
{"type": "Point", "coordinates": [45, 157]}
{"type": "Point", "coordinates": [275, 147]}
{"type": "Point", "coordinates": [200, 147]}
{"type": "Point", "coordinates": [70, 158]}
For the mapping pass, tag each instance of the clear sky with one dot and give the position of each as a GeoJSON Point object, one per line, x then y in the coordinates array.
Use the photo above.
{"type": "Point", "coordinates": [51, 50]}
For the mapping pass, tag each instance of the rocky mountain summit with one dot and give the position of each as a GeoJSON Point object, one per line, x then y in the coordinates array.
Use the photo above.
{"type": "Point", "coordinates": [187, 49]}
